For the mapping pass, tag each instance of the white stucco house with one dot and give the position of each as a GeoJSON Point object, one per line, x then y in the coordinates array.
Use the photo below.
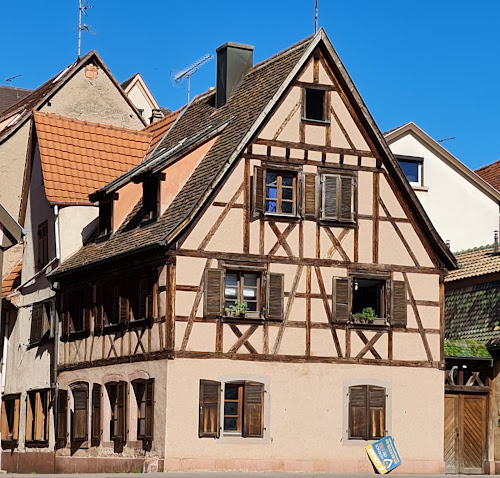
{"type": "Point", "coordinates": [462, 206]}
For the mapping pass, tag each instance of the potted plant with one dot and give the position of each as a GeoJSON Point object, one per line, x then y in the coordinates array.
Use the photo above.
{"type": "Point", "coordinates": [238, 310]}
{"type": "Point", "coordinates": [366, 316]}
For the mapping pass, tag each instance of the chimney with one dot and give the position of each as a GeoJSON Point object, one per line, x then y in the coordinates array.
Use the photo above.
{"type": "Point", "coordinates": [155, 116]}
{"type": "Point", "coordinates": [233, 62]}
{"type": "Point", "coordinates": [495, 242]}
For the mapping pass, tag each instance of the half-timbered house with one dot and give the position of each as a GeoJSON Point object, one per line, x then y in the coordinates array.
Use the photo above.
{"type": "Point", "coordinates": [266, 277]}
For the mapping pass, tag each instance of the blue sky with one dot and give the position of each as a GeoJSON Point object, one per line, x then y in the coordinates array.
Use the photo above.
{"type": "Point", "coordinates": [432, 62]}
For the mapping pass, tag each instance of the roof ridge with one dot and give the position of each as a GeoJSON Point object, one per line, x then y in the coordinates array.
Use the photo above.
{"type": "Point", "coordinates": [163, 120]}
{"type": "Point", "coordinates": [16, 88]}
{"type": "Point", "coordinates": [91, 123]}
{"type": "Point", "coordinates": [474, 249]}
{"type": "Point", "coordinates": [487, 165]}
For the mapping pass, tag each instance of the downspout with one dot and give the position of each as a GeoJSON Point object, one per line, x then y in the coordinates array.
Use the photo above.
{"type": "Point", "coordinates": [56, 232]}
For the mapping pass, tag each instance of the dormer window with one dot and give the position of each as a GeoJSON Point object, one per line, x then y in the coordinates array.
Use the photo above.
{"type": "Point", "coordinates": [315, 108]}
{"type": "Point", "coordinates": [150, 198]}
{"type": "Point", "coordinates": [105, 218]}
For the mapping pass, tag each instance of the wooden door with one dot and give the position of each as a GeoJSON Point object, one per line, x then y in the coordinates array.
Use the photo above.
{"type": "Point", "coordinates": [465, 419]}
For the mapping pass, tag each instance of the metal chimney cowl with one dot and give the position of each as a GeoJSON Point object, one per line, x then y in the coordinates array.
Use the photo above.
{"type": "Point", "coordinates": [233, 62]}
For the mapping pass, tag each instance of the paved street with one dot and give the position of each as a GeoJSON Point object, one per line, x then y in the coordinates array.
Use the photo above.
{"type": "Point", "coordinates": [243, 475]}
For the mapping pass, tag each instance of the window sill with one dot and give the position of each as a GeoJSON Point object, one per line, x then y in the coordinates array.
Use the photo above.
{"type": "Point", "coordinates": [141, 323]}
{"type": "Point", "coordinates": [419, 188]}
{"type": "Point", "coordinates": [315, 121]}
{"type": "Point", "coordinates": [102, 238]}
{"type": "Point", "coordinates": [324, 221]}
{"type": "Point", "coordinates": [9, 444]}
{"type": "Point", "coordinates": [358, 442]}
{"type": "Point", "coordinates": [243, 320]}
{"type": "Point", "coordinates": [111, 328]}
{"type": "Point", "coordinates": [148, 221]}
{"type": "Point", "coordinates": [79, 334]}
{"type": "Point", "coordinates": [276, 216]}
{"type": "Point", "coordinates": [239, 440]}
{"type": "Point", "coordinates": [37, 443]}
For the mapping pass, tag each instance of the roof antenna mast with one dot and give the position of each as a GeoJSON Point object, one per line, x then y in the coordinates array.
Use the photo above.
{"type": "Point", "coordinates": [82, 10]}
{"type": "Point", "coordinates": [190, 71]}
{"type": "Point", "coordinates": [315, 16]}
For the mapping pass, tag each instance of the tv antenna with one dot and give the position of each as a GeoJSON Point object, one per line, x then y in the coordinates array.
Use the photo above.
{"type": "Point", "coordinates": [10, 79]}
{"type": "Point", "coordinates": [83, 6]}
{"type": "Point", "coordinates": [315, 16]}
{"type": "Point", "coordinates": [446, 139]}
{"type": "Point", "coordinates": [190, 71]}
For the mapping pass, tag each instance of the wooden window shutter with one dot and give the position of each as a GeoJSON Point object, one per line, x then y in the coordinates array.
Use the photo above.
{"type": "Point", "coordinates": [65, 316]}
{"type": "Point", "coordinates": [124, 305]}
{"type": "Point", "coordinates": [87, 308]}
{"type": "Point", "coordinates": [39, 417]}
{"type": "Point", "coordinates": [98, 307]}
{"type": "Point", "coordinates": [209, 424]}
{"type": "Point", "coordinates": [346, 212]}
{"type": "Point", "coordinates": [214, 292]}
{"type": "Point", "coordinates": [341, 299]}
{"type": "Point", "coordinates": [80, 413]}
{"type": "Point", "coordinates": [329, 206]}
{"type": "Point", "coordinates": [309, 195]}
{"type": "Point", "coordinates": [253, 414]}
{"type": "Point", "coordinates": [150, 298]}
{"type": "Point", "coordinates": [36, 323]}
{"type": "Point", "coordinates": [376, 409]}
{"type": "Point", "coordinates": [149, 423]}
{"type": "Point", "coordinates": [96, 415]}
{"type": "Point", "coordinates": [358, 414]}
{"type": "Point", "coordinates": [116, 305]}
{"type": "Point", "coordinates": [399, 307]}
{"type": "Point", "coordinates": [259, 190]}
{"type": "Point", "coordinates": [121, 402]}
{"type": "Point", "coordinates": [62, 409]}
{"type": "Point", "coordinates": [275, 294]}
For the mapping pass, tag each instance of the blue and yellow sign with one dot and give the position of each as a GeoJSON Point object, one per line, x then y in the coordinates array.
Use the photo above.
{"type": "Point", "coordinates": [384, 455]}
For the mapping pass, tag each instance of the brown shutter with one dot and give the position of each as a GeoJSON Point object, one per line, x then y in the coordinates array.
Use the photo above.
{"type": "Point", "coordinates": [341, 299]}
{"type": "Point", "coordinates": [149, 419]}
{"type": "Point", "coordinates": [329, 206]}
{"type": "Point", "coordinates": [121, 412]}
{"type": "Point", "coordinates": [214, 292]}
{"type": "Point", "coordinates": [346, 198]}
{"type": "Point", "coordinates": [62, 409]}
{"type": "Point", "coordinates": [398, 312]}
{"type": "Point", "coordinates": [96, 415]}
{"type": "Point", "coordinates": [87, 308]}
{"type": "Point", "coordinates": [150, 298]}
{"type": "Point", "coordinates": [80, 413]}
{"type": "Point", "coordinates": [209, 425]}
{"type": "Point", "coordinates": [36, 323]}
{"type": "Point", "coordinates": [253, 413]}
{"type": "Point", "coordinates": [259, 190]}
{"type": "Point", "coordinates": [124, 306]}
{"type": "Point", "coordinates": [116, 305]}
{"type": "Point", "coordinates": [358, 416]}
{"type": "Point", "coordinates": [309, 195]}
{"type": "Point", "coordinates": [98, 308]}
{"type": "Point", "coordinates": [65, 313]}
{"type": "Point", "coordinates": [275, 293]}
{"type": "Point", "coordinates": [376, 409]}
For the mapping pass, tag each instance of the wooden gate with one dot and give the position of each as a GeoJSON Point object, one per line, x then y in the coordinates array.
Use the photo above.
{"type": "Point", "coordinates": [465, 418]}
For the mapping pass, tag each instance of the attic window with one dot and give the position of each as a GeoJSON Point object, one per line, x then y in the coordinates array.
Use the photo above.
{"type": "Point", "coordinates": [150, 198]}
{"type": "Point", "coordinates": [105, 218]}
{"type": "Point", "coordinates": [314, 107]}
{"type": "Point", "coordinates": [412, 167]}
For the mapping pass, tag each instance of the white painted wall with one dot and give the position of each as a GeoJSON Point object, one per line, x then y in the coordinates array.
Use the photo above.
{"type": "Point", "coordinates": [75, 225]}
{"type": "Point", "coordinates": [460, 212]}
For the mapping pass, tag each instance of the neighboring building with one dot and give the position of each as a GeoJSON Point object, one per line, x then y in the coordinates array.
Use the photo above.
{"type": "Point", "coordinates": [70, 158]}
{"type": "Point", "coordinates": [10, 95]}
{"type": "Point", "coordinates": [278, 190]}
{"type": "Point", "coordinates": [443, 184]}
{"type": "Point", "coordinates": [139, 93]}
{"type": "Point", "coordinates": [472, 348]}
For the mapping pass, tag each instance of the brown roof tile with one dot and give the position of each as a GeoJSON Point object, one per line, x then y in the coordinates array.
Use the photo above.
{"type": "Point", "coordinates": [10, 96]}
{"type": "Point", "coordinates": [475, 262]}
{"type": "Point", "coordinates": [79, 157]}
{"type": "Point", "coordinates": [12, 280]}
{"type": "Point", "coordinates": [160, 127]}
{"type": "Point", "coordinates": [491, 174]}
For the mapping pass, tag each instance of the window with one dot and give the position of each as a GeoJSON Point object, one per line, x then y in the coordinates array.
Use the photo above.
{"type": "Point", "coordinates": [143, 301]}
{"type": "Point", "coordinates": [242, 288]}
{"type": "Point", "coordinates": [117, 394]}
{"type": "Point", "coordinates": [96, 415]}
{"type": "Point", "coordinates": [144, 395]}
{"type": "Point", "coordinates": [337, 197]}
{"type": "Point", "coordinates": [281, 193]}
{"type": "Point", "coordinates": [243, 412]}
{"type": "Point", "coordinates": [226, 288]}
{"type": "Point", "coordinates": [40, 321]}
{"type": "Point", "coordinates": [43, 245]}
{"type": "Point", "coordinates": [150, 198]}
{"type": "Point", "coordinates": [412, 167]}
{"type": "Point", "coordinates": [79, 419]}
{"type": "Point", "coordinates": [352, 296]}
{"type": "Point", "coordinates": [62, 419]}
{"type": "Point", "coordinates": [77, 310]}
{"type": "Point", "coordinates": [315, 104]}
{"type": "Point", "coordinates": [10, 419]}
{"type": "Point", "coordinates": [367, 412]}
{"type": "Point", "coordinates": [37, 418]}
{"type": "Point", "coordinates": [105, 218]}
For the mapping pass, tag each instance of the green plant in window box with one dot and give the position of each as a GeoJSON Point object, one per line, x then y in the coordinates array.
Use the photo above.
{"type": "Point", "coordinates": [238, 310]}
{"type": "Point", "coordinates": [366, 316]}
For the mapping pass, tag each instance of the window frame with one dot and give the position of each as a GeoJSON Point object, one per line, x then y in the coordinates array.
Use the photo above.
{"type": "Point", "coordinates": [106, 210]}
{"type": "Point", "coordinates": [419, 160]}
{"type": "Point", "coordinates": [41, 325]}
{"type": "Point", "coordinates": [240, 286]}
{"type": "Point", "coordinates": [339, 176]}
{"type": "Point", "coordinates": [77, 388]}
{"type": "Point", "coordinates": [32, 410]}
{"type": "Point", "coordinates": [114, 408]}
{"type": "Point", "coordinates": [7, 428]}
{"type": "Point", "coordinates": [384, 305]}
{"type": "Point", "coordinates": [151, 194]}
{"type": "Point", "coordinates": [279, 193]}
{"type": "Point", "coordinates": [146, 437]}
{"type": "Point", "coordinates": [42, 245]}
{"type": "Point", "coordinates": [326, 104]}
